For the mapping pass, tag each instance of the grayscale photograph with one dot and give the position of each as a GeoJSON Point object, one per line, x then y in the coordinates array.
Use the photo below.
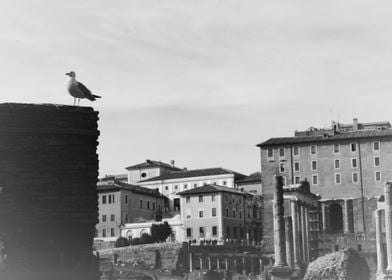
{"type": "Point", "coordinates": [195, 140]}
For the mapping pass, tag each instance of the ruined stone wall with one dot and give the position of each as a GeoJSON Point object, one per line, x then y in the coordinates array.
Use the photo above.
{"type": "Point", "coordinates": [48, 197]}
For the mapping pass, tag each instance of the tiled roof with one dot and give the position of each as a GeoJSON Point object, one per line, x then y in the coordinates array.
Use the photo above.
{"type": "Point", "coordinates": [360, 134]}
{"type": "Point", "coordinates": [116, 186]}
{"type": "Point", "coordinates": [153, 163]}
{"type": "Point", "coordinates": [211, 189]}
{"type": "Point", "coordinates": [195, 173]}
{"type": "Point", "coordinates": [254, 177]}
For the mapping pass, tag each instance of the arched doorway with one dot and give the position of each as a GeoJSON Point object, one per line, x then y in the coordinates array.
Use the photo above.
{"type": "Point", "coordinates": [335, 218]}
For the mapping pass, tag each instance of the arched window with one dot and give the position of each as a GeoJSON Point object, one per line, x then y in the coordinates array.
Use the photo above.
{"type": "Point", "coordinates": [336, 218]}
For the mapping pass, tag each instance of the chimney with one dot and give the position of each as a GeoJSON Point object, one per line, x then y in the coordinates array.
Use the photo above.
{"type": "Point", "coordinates": [172, 162]}
{"type": "Point", "coordinates": [355, 124]}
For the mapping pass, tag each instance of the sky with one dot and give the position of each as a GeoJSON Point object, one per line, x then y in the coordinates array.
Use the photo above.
{"type": "Point", "coordinates": [201, 82]}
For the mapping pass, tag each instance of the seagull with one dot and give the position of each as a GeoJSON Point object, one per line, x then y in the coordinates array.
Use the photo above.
{"type": "Point", "coordinates": [79, 90]}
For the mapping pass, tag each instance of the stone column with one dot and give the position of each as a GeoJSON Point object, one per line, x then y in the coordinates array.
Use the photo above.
{"type": "Point", "coordinates": [243, 265]}
{"type": "Point", "coordinates": [201, 263]}
{"type": "Point", "coordinates": [226, 264]}
{"type": "Point", "coordinates": [261, 265]}
{"type": "Point", "coordinates": [307, 232]}
{"type": "Point", "coordinates": [289, 241]}
{"type": "Point", "coordinates": [217, 263]}
{"type": "Point", "coordinates": [379, 245]}
{"type": "Point", "coordinates": [346, 217]}
{"type": "Point", "coordinates": [209, 263]}
{"type": "Point", "coordinates": [234, 265]}
{"type": "Point", "coordinates": [324, 218]}
{"type": "Point", "coordinates": [295, 225]}
{"type": "Point", "coordinates": [279, 231]}
{"type": "Point", "coordinates": [388, 222]}
{"type": "Point", "coordinates": [303, 224]}
{"type": "Point", "coordinates": [252, 265]}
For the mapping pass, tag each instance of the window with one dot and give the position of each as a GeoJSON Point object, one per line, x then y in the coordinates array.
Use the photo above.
{"type": "Point", "coordinates": [338, 178]}
{"type": "Point", "coordinates": [353, 147]}
{"type": "Point", "coordinates": [148, 204]}
{"type": "Point", "coordinates": [315, 179]}
{"type": "Point", "coordinates": [103, 218]}
{"type": "Point", "coordinates": [213, 212]}
{"type": "Point", "coordinates": [378, 176]}
{"type": "Point", "coordinates": [233, 213]}
{"type": "Point", "coordinates": [153, 206]}
{"type": "Point", "coordinates": [355, 177]}
{"type": "Point", "coordinates": [104, 199]}
{"type": "Point", "coordinates": [224, 183]}
{"type": "Point", "coordinates": [214, 231]}
{"type": "Point", "coordinates": [313, 149]}
{"type": "Point", "coordinates": [354, 163]}
{"type": "Point", "coordinates": [213, 197]}
{"type": "Point", "coordinates": [281, 152]}
{"type": "Point", "coordinates": [185, 186]}
{"type": "Point", "coordinates": [195, 185]}
{"type": "Point", "coordinates": [188, 199]}
{"type": "Point", "coordinates": [296, 166]}
{"type": "Point", "coordinates": [297, 180]}
{"type": "Point", "coordinates": [314, 165]}
{"type": "Point", "coordinates": [176, 187]}
{"type": "Point", "coordinates": [377, 162]}
{"type": "Point", "coordinates": [201, 213]}
{"type": "Point", "coordinates": [282, 167]}
{"type": "Point", "coordinates": [240, 214]}
{"type": "Point", "coordinates": [201, 232]}
{"type": "Point", "coordinates": [200, 198]}
{"type": "Point", "coordinates": [112, 217]}
{"type": "Point", "coordinates": [104, 232]}
{"type": "Point", "coordinates": [376, 146]}
{"type": "Point", "coordinates": [112, 232]}
{"type": "Point", "coordinates": [227, 212]}
{"type": "Point", "coordinates": [126, 199]}
{"type": "Point", "coordinates": [166, 188]}
{"type": "Point", "coordinates": [189, 232]}
{"type": "Point", "coordinates": [227, 198]}
{"type": "Point", "coordinates": [110, 198]}
{"type": "Point", "coordinates": [296, 151]}
{"type": "Point", "coordinates": [336, 148]}
{"type": "Point", "coordinates": [227, 231]}
{"type": "Point", "coordinates": [284, 181]}
{"type": "Point", "coordinates": [126, 217]}
{"type": "Point", "coordinates": [337, 163]}
{"type": "Point", "coordinates": [270, 153]}
{"type": "Point", "coordinates": [214, 183]}
{"type": "Point", "coordinates": [141, 203]}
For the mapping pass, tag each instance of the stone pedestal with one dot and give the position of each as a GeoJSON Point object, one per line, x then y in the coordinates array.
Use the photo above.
{"type": "Point", "coordinates": [289, 241]}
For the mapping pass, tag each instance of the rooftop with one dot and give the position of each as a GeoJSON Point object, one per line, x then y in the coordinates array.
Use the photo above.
{"type": "Point", "coordinates": [359, 134]}
{"type": "Point", "coordinates": [115, 185]}
{"type": "Point", "coordinates": [153, 163]}
{"type": "Point", "coordinates": [254, 177]}
{"type": "Point", "coordinates": [211, 189]}
{"type": "Point", "coordinates": [195, 173]}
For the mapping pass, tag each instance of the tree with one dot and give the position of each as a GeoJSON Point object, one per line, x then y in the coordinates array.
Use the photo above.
{"type": "Point", "coordinates": [159, 232]}
{"type": "Point", "coordinates": [121, 242]}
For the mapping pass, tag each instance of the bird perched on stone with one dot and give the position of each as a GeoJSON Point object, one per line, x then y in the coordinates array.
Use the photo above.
{"type": "Point", "coordinates": [79, 90]}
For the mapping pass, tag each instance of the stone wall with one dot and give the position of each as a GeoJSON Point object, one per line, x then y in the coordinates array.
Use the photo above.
{"type": "Point", "coordinates": [48, 197]}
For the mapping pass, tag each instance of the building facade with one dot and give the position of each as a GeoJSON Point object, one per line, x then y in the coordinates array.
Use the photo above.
{"type": "Point", "coordinates": [213, 212]}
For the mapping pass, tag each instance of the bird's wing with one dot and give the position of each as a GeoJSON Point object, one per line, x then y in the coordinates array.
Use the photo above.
{"type": "Point", "coordinates": [87, 93]}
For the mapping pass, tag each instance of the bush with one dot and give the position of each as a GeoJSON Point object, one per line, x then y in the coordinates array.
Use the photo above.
{"type": "Point", "coordinates": [121, 242]}
{"type": "Point", "coordinates": [159, 232]}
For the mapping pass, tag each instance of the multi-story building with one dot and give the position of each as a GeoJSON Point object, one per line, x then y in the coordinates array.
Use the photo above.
{"type": "Point", "coordinates": [120, 203]}
{"type": "Point", "coordinates": [214, 212]}
{"type": "Point", "coordinates": [251, 183]}
{"type": "Point", "coordinates": [171, 183]}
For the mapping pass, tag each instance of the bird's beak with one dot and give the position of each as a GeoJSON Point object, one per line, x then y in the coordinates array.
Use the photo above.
{"type": "Point", "coordinates": [67, 74]}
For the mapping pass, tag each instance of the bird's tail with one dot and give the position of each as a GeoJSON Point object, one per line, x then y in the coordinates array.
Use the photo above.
{"type": "Point", "coordinates": [96, 96]}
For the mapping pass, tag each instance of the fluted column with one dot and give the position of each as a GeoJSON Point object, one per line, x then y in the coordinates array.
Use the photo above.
{"type": "Point", "coordinates": [307, 231]}
{"type": "Point", "coordinates": [324, 216]}
{"type": "Point", "coordinates": [388, 222]}
{"type": "Point", "coordinates": [379, 244]}
{"type": "Point", "coordinates": [279, 230]}
{"type": "Point", "coordinates": [289, 241]}
{"type": "Point", "coordinates": [303, 225]}
{"type": "Point", "coordinates": [296, 235]}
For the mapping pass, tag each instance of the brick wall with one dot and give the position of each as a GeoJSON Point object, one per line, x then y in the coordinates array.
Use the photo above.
{"type": "Point", "coordinates": [48, 198]}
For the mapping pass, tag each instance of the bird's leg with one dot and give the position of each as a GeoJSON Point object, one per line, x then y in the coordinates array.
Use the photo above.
{"type": "Point", "coordinates": [74, 101]}
{"type": "Point", "coordinates": [78, 101]}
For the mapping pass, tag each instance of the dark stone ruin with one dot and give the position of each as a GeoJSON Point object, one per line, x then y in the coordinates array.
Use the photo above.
{"type": "Point", "coordinates": [48, 196]}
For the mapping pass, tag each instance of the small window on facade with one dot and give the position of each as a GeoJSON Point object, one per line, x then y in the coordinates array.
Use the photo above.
{"type": "Point", "coordinates": [377, 162]}
{"type": "Point", "coordinates": [354, 162]}
{"type": "Point", "coordinates": [176, 187]}
{"type": "Point", "coordinates": [185, 186]}
{"type": "Point", "coordinates": [112, 232]}
{"type": "Point", "coordinates": [166, 188]}
{"type": "Point", "coordinates": [313, 149]}
{"type": "Point", "coordinates": [337, 163]}
{"type": "Point", "coordinates": [227, 212]}
{"type": "Point", "coordinates": [214, 231]}
{"type": "Point", "coordinates": [201, 232]}
{"type": "Point", "coordinates": [213, 197]}
{"type": "Point", "coordinates": [284, 181]}
{"type": "Point", "coordinates": [126, 199]}
{"type": "Point", "coordinates": [103, 218]}
{"type": "Point", "coordinates": [201, 213]}
{"type": "Point", "coordinates": [240, 214]}
{"type": "Point", "coordinates": [353, 147]}
{"type": "Point", "coordinates": [376, 146]}
{"type": "Point", "coordinates": [104, 232]}
{"type": "Point", "coordinates": [282, 167]}
{"type": "Point", "coordinates": [189, 232]}
{"type": "Point", "coordinates": [296, 151]}
{"type": "Point", "coordinates": [200, 198]}
{"type": "Point", "coordinates": [336, 148]}
{"type": "Point", "coordinates": [297, 179]}
{"type": "Point", "coordinates": [227, 231]}
{"type": "Point", "coordinates": [188, 199]}
{"type": "Point", "coordinates": [112, 217]}
{"type": "Point", "coordinates": [296, 166]}
{"type": "Point", "coordinates": [314, 165]}
{"type": "Point", "coordinates": [113, 199]}
{"type": "Point", "coordinates": [144, 174]}
{"type": "Point", "coordinates": [153, 206]}
{"type": "Point", "coordinates": [126, 217]}
{"type": "Point", "coordinates": [195, 185]}
{"type": "Point", "coordinates": [213, 212]}
{"type": "Point", "coordinates": [315, 179]}
{"type": "Point", "coordinates": [104, 199]}
{"type": "Point", "coordinates": [224, 183]}
{"type": "Point", "coordinates": [281, 152]}
{"type": "Point", "coordinates": [337, 178]}
{"type": "Point", "coordinates": [227, 197]}
{"type": "Point", "coordinates": [355, 177]}
{"type": "Point", "coordinates": [233, 213]}
{"type": "Point", "coordinates": [270, 153]}
{"type": "Point", "coordinates": [110, 198]}
{"type": "Point", "coordinates": [378, 176]}
{"type": "Point", "coordinates": [148, 204]}
{"type": "Point", "coordinates": [141, 203]}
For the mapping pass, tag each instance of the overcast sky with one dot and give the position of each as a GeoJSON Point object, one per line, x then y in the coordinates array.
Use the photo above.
{"type": "Point", "coordinates": [201, 82]}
